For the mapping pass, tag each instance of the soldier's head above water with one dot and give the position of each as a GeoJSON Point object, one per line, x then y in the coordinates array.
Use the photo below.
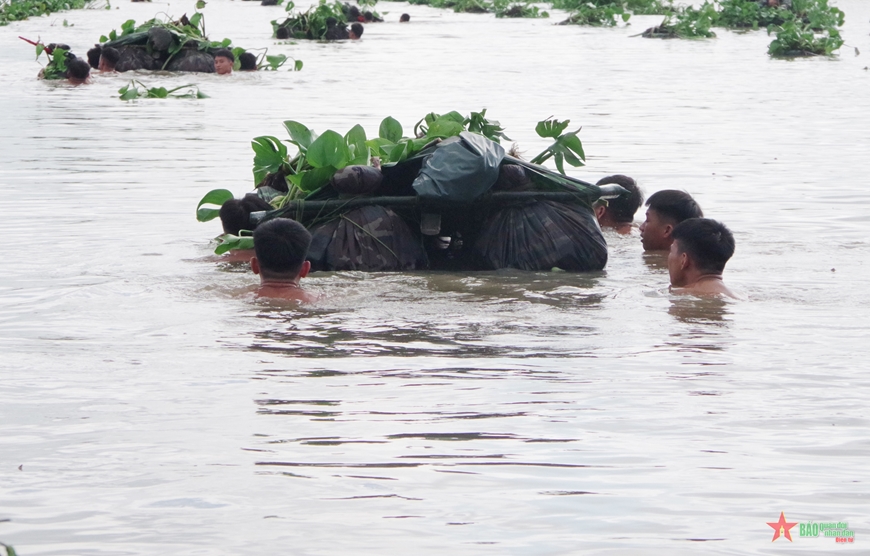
{"type": "Point", "coordinates": [94, 56]}
{"type": "Point", "coordinates": [697, 256]}
{"type": "Point", "coordinates": [667, 208]}
{"type": "Point", "coordinates": [356, 31]}
{"type": "Point", "coordinates": [280, 247]}
{"type": "Point", "coordinates": [78, 71]}
{"type": "Point", "coordinates": [235, 214]}
{"type": "Point", "coordinates": [223, 61]}
{"type": "Point", "coordinates": [108, 58]}
{"type": "Point", "coordinates": [247, 61]}
{"type": "Point", "coordinates": [618, 213]}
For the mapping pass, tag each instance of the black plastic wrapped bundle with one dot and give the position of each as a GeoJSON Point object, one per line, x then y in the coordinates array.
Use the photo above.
{"type": "Point", "coordinates": [541, 236]}
{"type": "Point", "coordinates": [370, 238]}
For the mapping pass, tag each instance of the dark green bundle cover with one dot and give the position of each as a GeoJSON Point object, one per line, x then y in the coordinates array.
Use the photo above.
{"type": "Point", "coordinates": [370, 238]}
{"type": "Point", "coordinates": [541, 236]}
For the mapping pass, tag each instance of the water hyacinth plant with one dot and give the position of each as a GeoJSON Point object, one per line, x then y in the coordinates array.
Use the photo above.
{"type": "Point", "coordinates": [136, 90]}
{"type": "Point", "coordinates": [17, 10]}
{"type": "Point", "coordinates": [58, 58]}
{"type": "Point", "coordinates": [803, 27]}
{"type": "Point", "coordinates": [799, 39]}
{"type": "Point", "coordinates": [508, 8]}
{"type": "Point", "coordinates": [603, 14]}
{"type": "Point", "coordinates": [811, 27]}
{"type": "Point", "coordinates": [749, 14]}
{"type": "Point", "coordinates": [686, 23]}
{"type": "Point", "coordinates": [313, 23]}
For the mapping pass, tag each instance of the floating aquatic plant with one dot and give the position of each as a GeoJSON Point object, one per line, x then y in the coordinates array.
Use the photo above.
{"type": "Point", "coordinates": [135, 90]}
{"type": "Point", "coordinates": [58, 59]}
{"type": "Point", "coordinates": [811, 28]}
{"type": "Point", "coordinates": [17, 10]}
{"type": "Point", "coordinates": [686, 23]}
{"type": "Point", "coordinates": [604, 14]}
{"type": "Point", "coordinates": [511, 8]}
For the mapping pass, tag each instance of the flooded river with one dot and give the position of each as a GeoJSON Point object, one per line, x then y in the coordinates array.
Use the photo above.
{"type": "Point", "coordinates": [148, 405]}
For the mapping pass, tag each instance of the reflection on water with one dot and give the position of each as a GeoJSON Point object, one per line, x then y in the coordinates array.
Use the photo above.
{"type": "Point", "coordinates": [708, 310]}
{"type": "Point", "coordinates": [152, 404]}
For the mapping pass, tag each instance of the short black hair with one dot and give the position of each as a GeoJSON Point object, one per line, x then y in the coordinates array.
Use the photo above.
{"type": "Point", "coordinates": [281, 246]}
{"type": "Point", "coordinates": [282, 33]}
{"type": "Point", "coordinates": [357, 29]}
{"type": "Point", "coordinates": [674, 205]}
{"type": "Point", "coordinates": [708, 242]}
{"type": "Point", "coordinates": [623, 207]}
{"type": "Point", "coordinates": [111, 55]}
{"type": "Point", "coordinates": [235, 214]}
{"type": "Point", "coordinates": [404, 17]}
{"type": "Point", "coordinates": [248, 61]}
{"type": "Point", "coordinates": [94, 56]}
{"type": "Point", "coordinates": [78, 69]}
{"type": "Point", "coordinates": [226, 53]}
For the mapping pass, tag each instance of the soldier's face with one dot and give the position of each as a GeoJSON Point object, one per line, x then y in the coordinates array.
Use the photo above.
{"type": "Point", "coordinates": [222, 65]}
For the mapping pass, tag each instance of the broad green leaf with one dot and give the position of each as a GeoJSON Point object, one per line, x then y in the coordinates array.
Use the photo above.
{"type": "Point", "coordinates": [215, 197]}
{"type": "Point", "coordinates": [551, 127]}
{"type": "Point", "coordinates": [113, 35]}
{"type": "Point", "coordinates": [454, 116]}
{"type": "Point", "coordinates": [300, 135]}
{"type": "Point", "coordinates": [356, 142]}
{"type": "Point", "coordinates": [39, 49]}
{"type": "Point", "coordinates": [297, 65]}
{"type": "Point", "coordinates": [130, 94]}
{"type": "Point", "coordinates": [276, 61]}
{"type": "Point", "coordinates": [328, 150]}
{"type": "Point", "coordinates": [391, 129]}
{"type": "Point", "coordinates": [200, 4]}
{"type": "Point", "coordinates": [399, 152]}
{"type": "Point", "coordinates": [356, 135]}
{"type": "Point", "coordinates": [572, 142]}
{"type": "Point", "coordinates": [104, 38]}
{"type": "Point", "coordinates": [229, 241]}
{"type": "Point", "coordinates": [380, 146]}
{"type": "Point", "coordinates": [270, 154]}
{"type": "Point", "coordinates": [316, 178]}
{"type": "Point", "coordinates": [195, 19]}
{"type": "Point", "coordinates": [445, 127]}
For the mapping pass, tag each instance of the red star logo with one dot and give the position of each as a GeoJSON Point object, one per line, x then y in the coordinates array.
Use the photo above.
{"type": "Point", "coordinates": [781, 527]}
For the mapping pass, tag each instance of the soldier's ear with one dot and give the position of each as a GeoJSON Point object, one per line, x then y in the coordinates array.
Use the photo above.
{"type": "Point", "coordinates": [255, 265]}
{"type": "Point", "coordinates": [306, 268]}
{"type": "Point", "coordinates": [599, 211]}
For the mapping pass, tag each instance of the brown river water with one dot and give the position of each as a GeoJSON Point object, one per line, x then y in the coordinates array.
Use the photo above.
{"type": "Point", "coordinates": [149, 405]}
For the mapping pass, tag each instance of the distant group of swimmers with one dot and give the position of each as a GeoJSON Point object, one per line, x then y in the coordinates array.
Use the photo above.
{"type": "Point", "coordinates": [105, 59]}
{"type": "Point", "coordinates": [697, 248]}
